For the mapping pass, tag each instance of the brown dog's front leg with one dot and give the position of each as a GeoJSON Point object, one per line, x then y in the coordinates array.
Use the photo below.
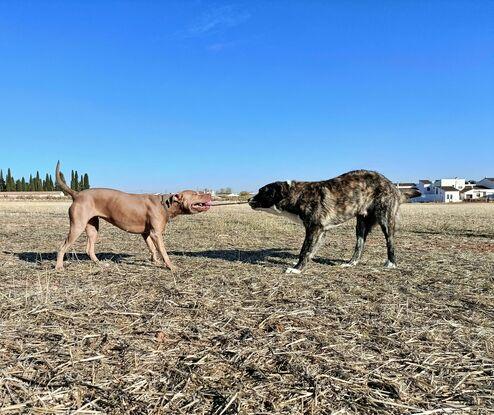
{"type": "Point", "coordinates": [314, 236]}
{"type": "Point", "coordinates": [152, 248]}
{"type": "Point", "coordinates": [158, 241]}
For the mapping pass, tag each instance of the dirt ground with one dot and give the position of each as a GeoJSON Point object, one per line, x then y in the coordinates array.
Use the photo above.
{"type": "Point", "coordinates": [231, 333]}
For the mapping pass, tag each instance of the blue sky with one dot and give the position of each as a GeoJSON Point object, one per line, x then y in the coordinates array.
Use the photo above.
{"type": "Point", "coordinates": [161, 96]}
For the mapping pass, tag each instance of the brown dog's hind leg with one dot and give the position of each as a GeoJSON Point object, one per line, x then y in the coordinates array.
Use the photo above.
{"type": "Point", "coordinates": [157, 238]}
{"type": "Point", "coordinates": [74, 232]}
{"type": "Point", "coordinates": [92, 234]}
{"type": "Point", "coordinates": [152, 248]}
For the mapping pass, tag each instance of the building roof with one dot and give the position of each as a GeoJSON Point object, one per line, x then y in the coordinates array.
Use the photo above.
{"type": "Point", "coordinates": [405, 184]}
{"type": "Point", "coordinates": [425, 181]}
{"type": "Point", "coordinates": [477, 187]}
{"type": "Point", "coordinates": [489, 178]}
{"type": "Point", "coordinates": [449, 189]}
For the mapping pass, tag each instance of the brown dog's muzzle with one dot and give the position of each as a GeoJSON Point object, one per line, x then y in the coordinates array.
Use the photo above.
{"type": "Point", "coordinates": [195, 202]}
{"type": "Point", "coordinates": [202, 205]}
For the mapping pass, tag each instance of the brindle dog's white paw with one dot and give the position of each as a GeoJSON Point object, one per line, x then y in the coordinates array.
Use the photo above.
{"type": "Point", "coordinates": [348, 264]}
{"type": "Point", "coordinates": [389, 265]}
{"type": "Point", "coordinates": [293, 271]}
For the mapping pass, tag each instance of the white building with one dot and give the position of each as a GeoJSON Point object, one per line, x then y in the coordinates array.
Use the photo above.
{"type": "Point", "coordinates": [476, 192]}
{"type": "Point", "coordinates": [442, 190]}
{"type": "Point", "coordinates": [457, 183]}
{"type": "Point", "coordinates": [454, 190]}
{"type": "Point", "coordinates": [426, 188]}
{"type": "Point", "coordinates": [447, 194]}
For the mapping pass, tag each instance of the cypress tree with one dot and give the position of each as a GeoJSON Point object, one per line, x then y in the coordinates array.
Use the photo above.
{"type": "Point", "coordinates": [2, 182]}
{"type": "Point", "coordinates": [18, 186]}
{"type": "Point", "coordinates": [38, 185]}
{"type": "Point", "coordinates": [23, 184]}
{"type": "Point", "coordinates": [52, 187]}
{"type": "Point", "coordinates": [31, 183]}
{"type": "Point", "coordinates": [86, 181]}
{"type": "Point", "coordinates": [46, 183]}
{"type": "Point", "coordinates": [10, 183]}
{"type": "Point", "coordinates": [76, 181]}
{"type": "Point", "coordinates": [72, 179]}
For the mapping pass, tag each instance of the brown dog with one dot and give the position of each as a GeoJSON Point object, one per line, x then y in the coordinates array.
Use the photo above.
{"type": "Point", "coordinates": [135, 213]}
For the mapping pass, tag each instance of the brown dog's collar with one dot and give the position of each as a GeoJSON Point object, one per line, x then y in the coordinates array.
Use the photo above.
{"type": "Point", "coordinates": [166, 201]}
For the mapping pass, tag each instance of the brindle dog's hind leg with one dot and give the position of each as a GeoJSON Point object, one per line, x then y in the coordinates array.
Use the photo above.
{"type": "Point", "coordinates": [388, 228]}
{"type": "Point", "coordinates": [314, 236]}
{"type": "Point", "coordinates": [362, 230]}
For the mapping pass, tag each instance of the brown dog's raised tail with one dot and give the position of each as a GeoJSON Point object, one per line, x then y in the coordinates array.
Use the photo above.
{"type": "Point", "coordinates": [66, 189]}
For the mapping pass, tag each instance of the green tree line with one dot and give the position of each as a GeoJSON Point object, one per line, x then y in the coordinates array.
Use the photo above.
{"type": "Point", "coordinates": [37, 184]}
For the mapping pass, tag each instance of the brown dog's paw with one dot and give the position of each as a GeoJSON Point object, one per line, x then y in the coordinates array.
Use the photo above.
{"type": "Point", "coordinates": [172, 268]}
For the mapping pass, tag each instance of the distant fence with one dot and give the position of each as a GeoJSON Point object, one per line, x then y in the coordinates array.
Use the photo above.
{"type": "Point", "coordinates": [479, 200]}
{"type": "Point", "coordinates": [32, 195]}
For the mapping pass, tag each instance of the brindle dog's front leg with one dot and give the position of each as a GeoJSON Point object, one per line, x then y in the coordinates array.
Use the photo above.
{"type": "Point", "coordinates": [314, 236]}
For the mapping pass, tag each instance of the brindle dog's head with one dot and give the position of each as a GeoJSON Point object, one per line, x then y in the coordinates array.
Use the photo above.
{"type": "Point", "coordinates": [191, 202]}
{"type": "Point", "coordinates": [270, 195]}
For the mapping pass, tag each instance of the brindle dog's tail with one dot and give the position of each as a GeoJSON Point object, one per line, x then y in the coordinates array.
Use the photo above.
{"type": "Point", "coordinates": [407, 194]}
{"type": "Point", "coordinates": [61, 183]}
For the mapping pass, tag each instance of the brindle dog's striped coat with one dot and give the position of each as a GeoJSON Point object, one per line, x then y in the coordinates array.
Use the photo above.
{"type": "Point", "coordinates": [320, 206]}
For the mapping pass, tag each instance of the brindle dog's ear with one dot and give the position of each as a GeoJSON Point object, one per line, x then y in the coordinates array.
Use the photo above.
{"type": "Point", "coordinates": [284, 188]}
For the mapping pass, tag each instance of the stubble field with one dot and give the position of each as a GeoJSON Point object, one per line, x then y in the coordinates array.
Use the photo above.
{"type": "Point", "coordinates": [231, 333]}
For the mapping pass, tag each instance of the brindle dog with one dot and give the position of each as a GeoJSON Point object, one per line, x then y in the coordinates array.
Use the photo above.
{"type": "Point", "coordinates": [320, 206]}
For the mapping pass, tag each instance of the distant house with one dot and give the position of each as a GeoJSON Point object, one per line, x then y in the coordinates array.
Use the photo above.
{"type": "Point", "coordinates": [476, 192]}
{"type": "Point", "coordinates": [427, 191]}
{"type": "Point", "coordinates": [448, 194]}
{"type": "Point", "coordinates": [441, 190]}
{"type": "Point", "coordinates": [487, 182]}
{"type": "Point", "coordinates": [424, 184]}
{"type": "Point", "coordinates": [457, 183]}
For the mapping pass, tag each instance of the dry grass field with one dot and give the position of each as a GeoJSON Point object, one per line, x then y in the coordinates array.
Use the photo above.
{"type": "Point", "coordinates": [231, 333]}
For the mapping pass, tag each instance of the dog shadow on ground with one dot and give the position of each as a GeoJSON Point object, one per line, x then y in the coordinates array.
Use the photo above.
{"type": "Point", "coordinates": [279, 256]}
{"type": "Point", "coordinates": [36, 257]}
{"type": "Point", "coordinates": [467, 234]}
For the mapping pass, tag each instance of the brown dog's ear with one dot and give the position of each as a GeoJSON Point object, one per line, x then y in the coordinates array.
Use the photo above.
{"type": "Point", "coordinates": [177, 197]}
